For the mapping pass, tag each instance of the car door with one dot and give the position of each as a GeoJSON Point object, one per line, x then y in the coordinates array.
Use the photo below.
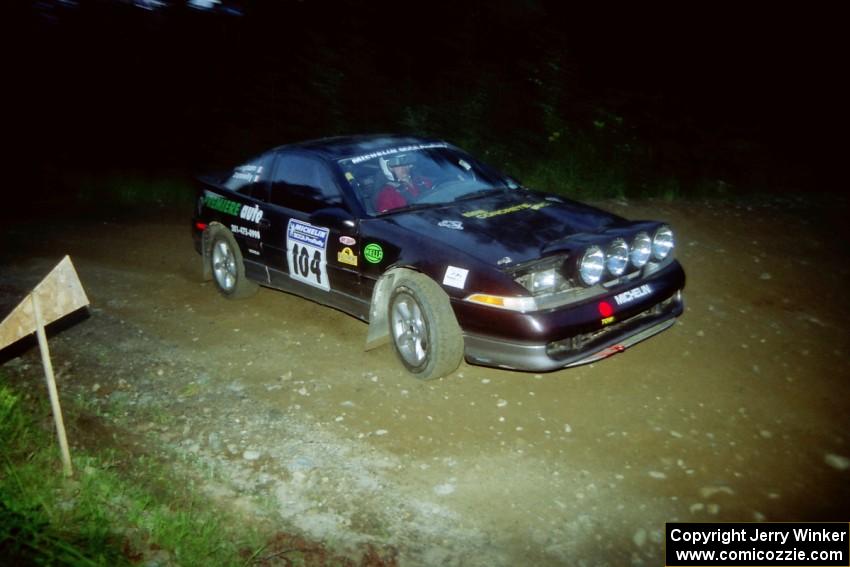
{"type": "Point", "coordinates": [246, 221]}
{"type": "Point", "coordinates": [313, 247]}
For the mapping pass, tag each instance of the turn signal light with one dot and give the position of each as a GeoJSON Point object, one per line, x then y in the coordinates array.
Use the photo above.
{"type": "Point", "coordinates": [521, 304]}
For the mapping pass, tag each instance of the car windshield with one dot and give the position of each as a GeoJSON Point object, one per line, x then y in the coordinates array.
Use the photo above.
{"type": "Point", "coordinates": [400, 178]}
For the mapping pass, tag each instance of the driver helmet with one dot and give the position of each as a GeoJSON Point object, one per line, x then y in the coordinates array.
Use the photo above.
{"type": "Point", "coordinates": [394, 161]}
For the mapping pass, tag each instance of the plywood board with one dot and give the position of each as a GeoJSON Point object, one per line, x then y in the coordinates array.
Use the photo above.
{"type": "Point", "coordinates": [58, 294]}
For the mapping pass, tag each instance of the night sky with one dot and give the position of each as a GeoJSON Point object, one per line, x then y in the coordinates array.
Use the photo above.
{"type": "Point", "coordinates": [705, 91]}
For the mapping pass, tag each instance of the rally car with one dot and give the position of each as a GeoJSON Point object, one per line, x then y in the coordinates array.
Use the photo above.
{"type": "Point", "coordinates": [444, 256]}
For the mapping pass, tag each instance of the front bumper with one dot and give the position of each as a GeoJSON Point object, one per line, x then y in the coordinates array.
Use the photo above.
{"type": "Point", "coordinates": [572, 335]}
{"type": "Point", "coordinates": [590, 347]}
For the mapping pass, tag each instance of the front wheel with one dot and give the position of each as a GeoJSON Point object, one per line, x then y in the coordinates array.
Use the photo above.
{"type": "Point", "coordinates": [228, 269]}
{"type": "Point", "coordinates": [424, 331]}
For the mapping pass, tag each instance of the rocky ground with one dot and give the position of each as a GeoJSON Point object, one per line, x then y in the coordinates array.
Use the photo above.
{"type": "Point", "coordinates": [737, 413]}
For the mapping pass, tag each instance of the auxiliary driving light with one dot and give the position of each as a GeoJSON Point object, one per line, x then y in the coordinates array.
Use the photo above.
{"type": "Point", "coordinates": [641, 249]}
{"type": "Point", "coordinates": [617, 257]}
{"type": "Point", "coordinates": [662, 243]}
{"type": "Point", "coordinates": [592, 265]}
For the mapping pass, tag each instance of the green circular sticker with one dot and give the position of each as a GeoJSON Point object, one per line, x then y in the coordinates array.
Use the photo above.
{"type": "Point", "coordinates": [373, 253]}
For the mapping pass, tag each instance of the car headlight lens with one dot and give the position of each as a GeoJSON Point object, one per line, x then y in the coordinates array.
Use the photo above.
{"type": "Point", "coordinates": [543, 282]}
{"type": "Point", "coordinates": [543, 277]}
{"type": "Point", "coordinates": [662, 243]}
{"type": "Point", "coordinates": [641, 249]}
{"type": "Point", "coordinates": [539, 282]}
{"type": "Point", "coordinates": [617, 257]}
{"type": "Point", "coordinates": [591, 266]}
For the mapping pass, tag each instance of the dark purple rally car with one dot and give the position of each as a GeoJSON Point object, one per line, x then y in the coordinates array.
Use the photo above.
{"type": "Point", "coordinates": [441, 254]}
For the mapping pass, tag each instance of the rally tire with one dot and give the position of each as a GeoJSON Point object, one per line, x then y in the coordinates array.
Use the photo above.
{"type": "Point", "coordinates": [227, 266]}
{"type": "Point", "coordinates": [424, 331]}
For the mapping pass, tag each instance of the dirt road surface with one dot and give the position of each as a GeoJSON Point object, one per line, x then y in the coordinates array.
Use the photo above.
{"type": "Point", "coordinates": [737, 413]}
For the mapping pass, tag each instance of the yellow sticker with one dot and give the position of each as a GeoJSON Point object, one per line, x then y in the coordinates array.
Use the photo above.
{"type": "Point", "coordinates": [346, 256]}
{"type": "Point", "coordinates": [607, 320]}
{"type": "Point", "coordinates": [482, 214]}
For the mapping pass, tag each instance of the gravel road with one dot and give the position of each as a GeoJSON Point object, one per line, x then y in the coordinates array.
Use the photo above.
{"type": "Point", "coordinates": [737, 413]}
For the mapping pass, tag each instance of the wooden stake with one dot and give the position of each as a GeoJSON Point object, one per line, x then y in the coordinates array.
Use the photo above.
{"type": "Point", "coordinates": [51, 387]}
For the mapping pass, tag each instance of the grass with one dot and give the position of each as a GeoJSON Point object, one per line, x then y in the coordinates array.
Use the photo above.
{"type": "Point", "coordinates": [582, 166]}
{"type": "Point", "coordinates": [118, 508]}
{"type": "Point", "coordinates": [124, 506]}
{"type": "Point", "coordinates": [577, 165]}
{"type": "Point", "coordinates": [134, 190]}
{"type": "Point", "coordinates": [573, 179]}
{"type": "Point", "coordinates": [586, 178]}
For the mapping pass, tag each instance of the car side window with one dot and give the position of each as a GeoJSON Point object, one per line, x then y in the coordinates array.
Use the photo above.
{"type": "Point", "coordinates": [304, 184]}
{"type": "Point", "coordinates": [251, 178]}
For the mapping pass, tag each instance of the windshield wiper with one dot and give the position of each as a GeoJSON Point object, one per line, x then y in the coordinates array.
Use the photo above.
{"type": "Point", "coordinates": [413, 207]}
{"type": "Point", "coordinates": [481, 193]}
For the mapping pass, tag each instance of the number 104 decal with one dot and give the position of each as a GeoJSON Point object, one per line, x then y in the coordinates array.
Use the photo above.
{"type": "Point", "coordinates": [306, 253]}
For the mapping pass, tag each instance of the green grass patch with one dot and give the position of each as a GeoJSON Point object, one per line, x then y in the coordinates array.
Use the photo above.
{"type": "Point", "coordinates": [133, 190]}
{"type": "Point", "coordinates": [125, 506]}
{"type": "Point", "coordinates": [118, 508]}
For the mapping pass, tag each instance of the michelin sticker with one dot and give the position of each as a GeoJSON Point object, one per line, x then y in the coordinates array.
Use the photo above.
{"type": "Point", "coordinates": [391, 151]}
{"type": "Point", "coordinates": [306, 253]}
{"type": "Point", "coordinates": [455, 277]}
{"type": "Point", "coordinates": [632, 294]}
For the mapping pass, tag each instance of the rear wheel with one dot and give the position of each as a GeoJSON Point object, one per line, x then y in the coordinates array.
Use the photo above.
{"type": "Point", "coordinates": [228, 269]}
{"type": "Point", "coordinates": [424, 331]}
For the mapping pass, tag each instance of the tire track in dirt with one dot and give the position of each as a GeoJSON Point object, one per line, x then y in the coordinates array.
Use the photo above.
{"type": "Point", "coordinates": [737, 413]}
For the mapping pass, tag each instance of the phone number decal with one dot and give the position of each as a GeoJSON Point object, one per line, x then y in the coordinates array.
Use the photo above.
{"type": "Point", "coordinates": [241, 230]}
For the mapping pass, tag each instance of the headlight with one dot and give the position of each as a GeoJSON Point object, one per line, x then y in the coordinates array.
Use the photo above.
{"type": "Point", "coordinates": [592, 265]}
{"type": "Point", "coordinates": [617, 257]}
{"type": "Point", "coordinates": [641, 249]}
{"type": "Point", "coordinates": [543, 277]}
{"type": "Point", "coordinates": [662, 243]}
{"type": "Point", "coordinates": [539, 282]}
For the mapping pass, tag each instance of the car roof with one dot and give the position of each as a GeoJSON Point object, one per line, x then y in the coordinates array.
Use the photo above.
{"type": "Point", "coordinates": [340, 147]}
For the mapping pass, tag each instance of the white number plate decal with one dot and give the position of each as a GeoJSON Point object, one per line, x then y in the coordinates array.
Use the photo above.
{"type": "Point", "coordinates": [306, 253]}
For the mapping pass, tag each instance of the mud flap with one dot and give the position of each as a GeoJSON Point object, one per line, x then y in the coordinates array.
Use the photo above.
{"type": "Point", "coordinates": [379, 326]}
{"type": "Point", "coordinates": [206, 242]}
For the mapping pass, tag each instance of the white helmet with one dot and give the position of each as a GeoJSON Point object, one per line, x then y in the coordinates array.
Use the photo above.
{"type": "Point", "coordinates": [393, 161]}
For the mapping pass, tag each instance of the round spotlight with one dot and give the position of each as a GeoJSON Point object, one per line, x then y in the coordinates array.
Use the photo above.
{"type": "Point", "coordinates": [662, 243]}
{"type": "Point", "coordinates": [617, 257]}
{"type": "Point", "coordinates": [641, 249]}
{"type": "Point", "coordinates": [591, 266]}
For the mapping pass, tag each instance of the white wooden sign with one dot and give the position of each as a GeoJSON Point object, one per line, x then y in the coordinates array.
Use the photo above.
{"type": "Point", "coordinates": [57, 295]}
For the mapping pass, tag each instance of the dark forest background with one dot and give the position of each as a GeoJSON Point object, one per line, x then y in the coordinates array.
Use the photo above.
{"type": "Point", "coordinates": [645, 100]}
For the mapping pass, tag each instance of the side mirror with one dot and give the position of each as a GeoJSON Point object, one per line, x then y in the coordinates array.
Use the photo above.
{"type": "Point", "coordinates": [513, 183]}
{"type": "Point", "coordinates": [335, 217]}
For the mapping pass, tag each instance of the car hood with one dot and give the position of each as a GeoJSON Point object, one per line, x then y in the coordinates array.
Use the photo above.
{"type": "Point", "coordinates": [517, 225]}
